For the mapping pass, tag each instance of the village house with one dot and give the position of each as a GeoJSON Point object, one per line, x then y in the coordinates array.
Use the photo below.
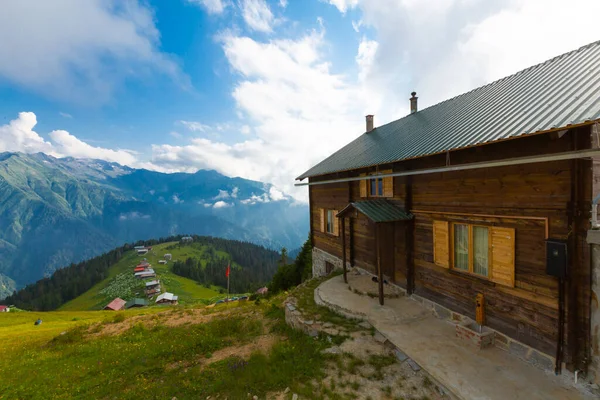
{"type": "Point", "coordinates": [152, 284]}
{"type": "Point", "coordinates": [167, 298]}
{"type": "Point", "coordinates": [149, 273]}
{"type": "Point", "coordinates": [187, 239]}
{"type": "Point", "coordinates": [115, 305]}
{"type": "Point", "coordinates": [487, 195]}
{"type": "Point", "coordinates": [162, 262]}
{"type": "Point", "coordinates": [262, 291]}
{"type": "Point", "coordinates": [4, 309]}
{"type": "Point", "coordinates": [168, 257]}
{"type": "Point", "coordinates": [142, 252]}
{"type": "Point", "coordinates": [136, 303]}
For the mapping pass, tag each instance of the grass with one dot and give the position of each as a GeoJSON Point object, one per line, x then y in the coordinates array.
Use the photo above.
{"type": "Point", "coordinates": [154, 360]}
{"type": "Point", "coordinates": [117, 283]}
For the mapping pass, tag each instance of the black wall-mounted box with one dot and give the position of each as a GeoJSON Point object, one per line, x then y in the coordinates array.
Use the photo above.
{"type": "Point", "coordinates": [556, 258]}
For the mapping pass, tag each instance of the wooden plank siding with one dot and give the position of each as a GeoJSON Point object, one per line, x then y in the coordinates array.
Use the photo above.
{"type": "Point", "coordinates": [528, 311]}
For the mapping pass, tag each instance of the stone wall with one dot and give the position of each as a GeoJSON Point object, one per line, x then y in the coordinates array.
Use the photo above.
{"type": "Point", "coordinates": [320, 257]}
{"type": "Point", "coordinates": [594, 367]}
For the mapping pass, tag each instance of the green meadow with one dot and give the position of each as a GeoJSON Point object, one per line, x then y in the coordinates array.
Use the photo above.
{"type": "Point", "coordinates": [189, 291]}
{"type": "Point", "coordinates": [156, 353]}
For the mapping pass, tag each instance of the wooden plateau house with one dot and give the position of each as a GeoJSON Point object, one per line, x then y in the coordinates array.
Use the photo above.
{"type": "Point", "coordinates": [167, 298]}
{"type": "Point", "coordinates": [465, 197]}
{"type": "Point", "coordinates": [115, 305]}
{"type": "Point", "coordinates": [136, 303]}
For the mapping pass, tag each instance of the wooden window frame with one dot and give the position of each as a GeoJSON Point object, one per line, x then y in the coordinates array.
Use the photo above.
{"type": "Point", "coordinates": [378, 185]}
{"type": "Point", "coordinates": [335, 226]}
{"type": "Point", "coordinates": [471, 271]}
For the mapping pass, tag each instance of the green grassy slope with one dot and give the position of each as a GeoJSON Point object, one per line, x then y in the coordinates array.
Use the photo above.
{"type": "Point", "coordinates": [188, 290]}
{"type": "Point", "coordinates": [174, 353]}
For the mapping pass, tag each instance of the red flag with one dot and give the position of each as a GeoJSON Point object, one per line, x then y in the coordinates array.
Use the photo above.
{"type": "Point", "coordinates": [227, 271]}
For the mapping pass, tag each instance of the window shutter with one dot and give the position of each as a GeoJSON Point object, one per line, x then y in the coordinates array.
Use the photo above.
{"type": "Point", "coordinates": [503, 256]}
{"type": "Point", "coordinates": [441, 244]}
{"type": "Point", "coordinates": [363, 186]}
{"type": "Point", "coordinates": [388, 184]}
{"type": "Point", "coordinates": [322, 211]}
{"type": "Point", "coordinates": [336, 224]}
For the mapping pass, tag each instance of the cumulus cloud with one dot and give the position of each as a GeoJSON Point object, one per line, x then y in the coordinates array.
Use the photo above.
{"type": "Point", "coordinates": [222, 204]}
{"type": "Point", "coordinates": [80, 50]}
{"type": "Point", "coordinates": [18, 135]}
{"type": "Point", "coordinates": [176, 199]}
{"type": "Point", "coordinates": [343, 5]}
{"type": "Point", "coordinates": [212, 6]}
{"type": "Point", "coordinates": [258, 15]}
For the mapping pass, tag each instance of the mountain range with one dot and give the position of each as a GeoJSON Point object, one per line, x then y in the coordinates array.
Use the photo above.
{"type": "Point", "coordinates": [58, 211]}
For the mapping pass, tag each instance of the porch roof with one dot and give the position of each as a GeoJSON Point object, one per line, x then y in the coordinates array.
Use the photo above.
{"type": "Point", "coordinates": [377, 210]}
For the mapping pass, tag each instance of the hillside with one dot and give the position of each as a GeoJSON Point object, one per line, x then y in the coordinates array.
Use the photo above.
{"type": "Point", "coordinates": [55, 212]}
{"type": "Point", "coordinates": [111, 275]}
{"type": "Point", "coordinates": [235, 350]}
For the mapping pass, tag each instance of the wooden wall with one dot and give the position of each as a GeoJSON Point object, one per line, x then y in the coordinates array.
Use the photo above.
{"type": "Point", "coordinates": [560, 191]}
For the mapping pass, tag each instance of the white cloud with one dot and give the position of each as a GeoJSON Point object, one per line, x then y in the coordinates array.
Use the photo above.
{"type": "Point", "coordinates": [133, 215]}
{"type": "Point", "coordinates": [194, 126]}
{"type": "Point", "coordinates": [212, 6]}
{"type": "Point", "coordinates": [176, 199]}
{"type": "Point", "coordinates": [80, 51]}
{"type": "Point", "coordinates": [258, 15]}
{"type": "Point", "coordinates": [66, 115]}
{"type": "Point", "coordinates": [223, 194]}
{"type": "Point", "coordinates": [276, 194]}
{"type": "Point", "coordinates": [343, 5]}
{"type": "Point", "coordinates": [283, 3]}
{"type": "Point", "coordinates": [234, 192]}
{"type": "Point", "coordinates": [222, 204]}
{"type": "Point", "coordinates": [18, 135]}
{"type": "Point", "coordinates": [174, 134]}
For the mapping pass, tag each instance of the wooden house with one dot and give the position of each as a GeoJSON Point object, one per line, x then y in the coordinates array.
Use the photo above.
{"type": "Point", "coordinates": [468, 196]}
{"type": "Point", "coordinates": [4, 309]}
{"type": "Point", "coordinates": [115, 305]}
{"type": "Point", "coordinates": [136, 303]}
{"type": "Point", "coordinates": [167, 298]}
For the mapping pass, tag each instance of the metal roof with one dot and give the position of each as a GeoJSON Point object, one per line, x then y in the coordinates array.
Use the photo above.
{"type": "Point", "coordinates": [555, 94]}
{"type": "Point", "coordinates": [152, 283]}
{"type": "Point", "coordinates": [167, 296]}
{"type": "Point", "coordinates": [116, 304]}
{"type": "Point", "coordinates": [135, 302]}
{"type": "Point", "coordinates": [378, 210]}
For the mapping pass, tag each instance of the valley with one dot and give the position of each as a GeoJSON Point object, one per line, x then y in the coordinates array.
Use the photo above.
{"type": "Point", "coordinates": [58, 211]}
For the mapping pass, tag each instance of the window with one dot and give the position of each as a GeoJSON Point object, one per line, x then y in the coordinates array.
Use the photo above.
{"type": "Point", "coordinates": [376, 187]}
{"type": "Point", "coordinates": [330, 217]}
{"type": "Point", "coordinates": [471, 248]}
{"type": "Point", "coordinates": [329, 221]}
{"type": "Point", "coordinates": [484, 251]}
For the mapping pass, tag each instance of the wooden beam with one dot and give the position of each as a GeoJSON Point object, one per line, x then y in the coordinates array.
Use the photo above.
{"type": "Point", "coordinates": [409, 244]}
{"type": "Point", "coordinates": [344, 249]}
{"type": "Point", "coordinates": [379, 271]}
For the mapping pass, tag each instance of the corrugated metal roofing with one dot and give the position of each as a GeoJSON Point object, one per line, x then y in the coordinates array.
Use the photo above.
{"type": "Point", "coordinates": [136, 302]}
{"type": "Point", "coordinates": [167, 296]}
{"type": "Point", "coordinates": [557, 93]}
{"type": "Point", "coordinates": [116, 304]}
{"type": "Point", "coordinates": [379, 210]}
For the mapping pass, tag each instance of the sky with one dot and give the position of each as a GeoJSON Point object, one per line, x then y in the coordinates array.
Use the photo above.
{"type": "Point", "coordinates": [260, 89]}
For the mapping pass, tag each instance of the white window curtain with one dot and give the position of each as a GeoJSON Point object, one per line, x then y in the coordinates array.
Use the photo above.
{"type": "Point", "coordinates": [480, 250]}
{"type": "Point", "coordinates": [461, 247]}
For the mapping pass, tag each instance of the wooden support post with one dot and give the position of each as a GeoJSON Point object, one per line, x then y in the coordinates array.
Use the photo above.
{"type": "Point", "coordinates": [379, 271]}
{"type": "Point", "coordinates": [344, 249]}
{"type": "Point", "coordinates": [410, 243]}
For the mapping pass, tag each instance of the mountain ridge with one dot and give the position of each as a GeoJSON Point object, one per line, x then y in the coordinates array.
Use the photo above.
{"type": "Point", "coordinates": [56, 211]}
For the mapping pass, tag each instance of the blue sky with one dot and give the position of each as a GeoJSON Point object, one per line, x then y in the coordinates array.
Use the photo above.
{"type": "Point", "coordinates": [261, 89]}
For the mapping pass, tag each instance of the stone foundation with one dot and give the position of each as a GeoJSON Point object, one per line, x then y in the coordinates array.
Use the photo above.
{"type": "Point", "coordinates": [320, 259]}
{"type": "Point", "coordinates": [470, 333]}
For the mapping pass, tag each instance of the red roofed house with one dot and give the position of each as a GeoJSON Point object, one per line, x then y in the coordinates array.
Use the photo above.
{"type": "Point", "coordinates": [138, 269]}
{"type": "Point", "coordinates": [4, 309]}
{"type": "Point", "coordinates": [116, 305]}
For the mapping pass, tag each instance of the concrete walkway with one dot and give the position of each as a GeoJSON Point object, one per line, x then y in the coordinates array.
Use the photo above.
{"type": "Point", "coordinates": [431, 342]}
